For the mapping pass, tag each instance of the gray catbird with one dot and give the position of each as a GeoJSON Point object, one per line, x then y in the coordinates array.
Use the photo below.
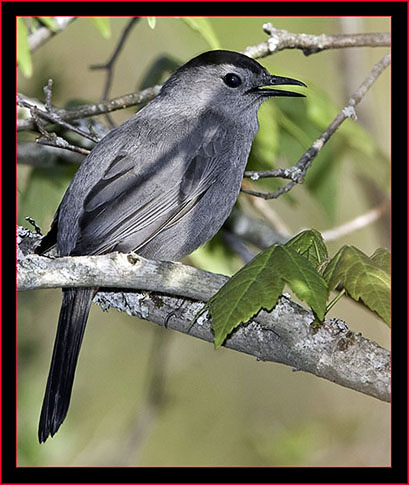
{"type": "Point", "coordinates": [161, 184]}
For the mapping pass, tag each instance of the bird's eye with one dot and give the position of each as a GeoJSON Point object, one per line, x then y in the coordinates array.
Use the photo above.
{"type": "Point", "coordinates": [232, 80]}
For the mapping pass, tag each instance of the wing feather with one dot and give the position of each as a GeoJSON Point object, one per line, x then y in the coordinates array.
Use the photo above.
{"type": "Point", "coordinates": [128, 209]}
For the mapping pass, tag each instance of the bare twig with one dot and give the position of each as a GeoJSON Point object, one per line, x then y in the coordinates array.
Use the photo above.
{"type": "Point", "coordinates": [48, 94]}
{"type": "Point", "coordinates": [256, 52]}
{"type": "Point", "coordinates": [311, 44]}
{"type": "Point", "coordinates": [51, 139]}
{"type": "Point", "coordinates": [43, 33]}
{"type": "Point", "coordinates": [58, 142]}
{"type": "Point", "coordinates": [86, 110]}
{"type": "Point", "coordinates": [300, 169]}
{"type": "Point", "coordinates": [356, 223]}
{"type": "Point", "coordinates": [283, 335]}
{"type": "Point", "coordinates": [109, 65]}
{"type": "Point", "coordinates": [52, 115]}
{"type": "Point", "coordinates": [40, 155]}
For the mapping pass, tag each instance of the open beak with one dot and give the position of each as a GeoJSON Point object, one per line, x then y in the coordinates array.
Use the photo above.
{"type": "Point", "coordinates": [265, 89]}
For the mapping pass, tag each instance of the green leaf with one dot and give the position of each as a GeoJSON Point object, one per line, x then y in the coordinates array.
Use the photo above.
{"type": "Point", "coordinates": [259, 284]}
{"type": "Point", "coordinates": [310, 245]}
{"type": "Point", "coordinates": [103, 25]}
{"type": "Point", "coordinates": [204, 28]}
{"type": "Point", "coordinates": [151, 22]}
{"type": "Point", "coordinates": [49, 22]}
{"type": "Point", "coordinates": [23, 49]}
{"type": "Point", "coordinates": [363, 278]}
{"type": "Point", "coordinates": [382, 258]}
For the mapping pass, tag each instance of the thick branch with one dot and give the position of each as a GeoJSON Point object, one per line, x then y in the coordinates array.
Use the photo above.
{"type": "Point", "coordinates": [117, 270]}
{"type": "Point", "coordinates": [284, 335]}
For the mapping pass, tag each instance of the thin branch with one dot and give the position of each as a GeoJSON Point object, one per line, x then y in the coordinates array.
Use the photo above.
{"type": "Point", "coordinates": [87, 110]}
{"type": "Point", "coordinates": [51, 139]}
{"type": "Point", "coordinates": [40, 155]}
{"type": "Point", "coordinates": [58, 142]}
{"type": "Point", "coordinates": [297, 173]}
{"type": "Point", "coordinates": [256, 52]}
{"type": "Point", "coordinates": [43, 33]}
{"type": "Point", "coordinates": [283, 335]}
{"type": "Point", "coordinates": [51, 114]}
{"type": "Point", "coordinates": [311, 44]}
{"type": "Point", "coordinates": [109, 65]}
{"type": "Point", "coordinates": [356, 223]}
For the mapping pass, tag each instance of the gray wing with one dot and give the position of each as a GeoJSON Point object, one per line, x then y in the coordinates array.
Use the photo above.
{"type": "Point", "coordinates": [128, 207]}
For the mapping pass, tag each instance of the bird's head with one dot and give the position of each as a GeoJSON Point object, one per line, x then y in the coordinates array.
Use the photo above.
{"type": "Point", "coordinates": [231, 81]}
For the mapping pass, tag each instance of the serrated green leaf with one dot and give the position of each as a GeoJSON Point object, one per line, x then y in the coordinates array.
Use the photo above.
{"type": "Point", "coordinates": [204, 28]}
{"type": "Point", "coordinates": [259, 284]}
{"type": "Point", "coordinates": [243, 295]}
{"type": "Point", "coordinates": [362, 278]}
{"type": "Point", "coordinates": [23, 49]}
{"type": "Point", "coordinates": [382, 258]}
{"type": "Point", "coordinates": [49, 22]}
{"type": "Point", "coordinates": [103, 25]}
{"type": "Point", "coordinates": [151, 22]}
{"type": "Point", "coordinates": [302, 277]}
{"type": "Point", "coordinates": [310, 245]}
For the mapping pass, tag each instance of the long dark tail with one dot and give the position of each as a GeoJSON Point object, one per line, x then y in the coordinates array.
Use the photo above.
{"type": "Point", "coordinates": [74, 312]}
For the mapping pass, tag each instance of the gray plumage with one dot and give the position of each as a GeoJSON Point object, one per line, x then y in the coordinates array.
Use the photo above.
{"type": "Point", "coordinates": [161, 184]}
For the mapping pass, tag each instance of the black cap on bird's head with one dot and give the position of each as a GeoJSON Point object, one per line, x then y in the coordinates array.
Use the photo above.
{"type": "Point", "coordinates": [242, 62]}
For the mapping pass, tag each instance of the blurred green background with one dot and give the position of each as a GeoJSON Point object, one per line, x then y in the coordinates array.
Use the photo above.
{"type": "Point", "coordinates": [212, 408]}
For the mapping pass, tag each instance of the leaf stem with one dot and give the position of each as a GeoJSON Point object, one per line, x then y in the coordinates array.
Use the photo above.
{"type": "Point", "coordinates": [335, 300]}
